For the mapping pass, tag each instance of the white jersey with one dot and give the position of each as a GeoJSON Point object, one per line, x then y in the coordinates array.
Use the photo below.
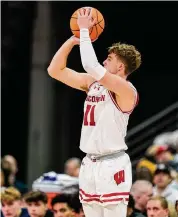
{"type": "Point", "coordinates": [104, 124]}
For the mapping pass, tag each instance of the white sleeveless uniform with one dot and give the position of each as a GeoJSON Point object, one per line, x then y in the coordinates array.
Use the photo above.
{"type": "Point", "coordinates": [103, 132]}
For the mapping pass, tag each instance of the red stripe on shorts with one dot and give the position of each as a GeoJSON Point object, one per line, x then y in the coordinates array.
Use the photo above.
{"type": "Point", "coordinates": [104, 195]}
{"type": "Point", "coordinates": [105, 201]}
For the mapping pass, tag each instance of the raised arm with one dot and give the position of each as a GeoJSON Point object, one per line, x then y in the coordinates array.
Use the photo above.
{"type": "Point", "coordinates": [125, 94]}
{"type": "Point", "coordinates": [59, 71]}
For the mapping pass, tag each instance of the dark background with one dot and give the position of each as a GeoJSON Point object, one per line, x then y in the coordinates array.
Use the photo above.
{"type": "Point", "coordinates": [150, 26]}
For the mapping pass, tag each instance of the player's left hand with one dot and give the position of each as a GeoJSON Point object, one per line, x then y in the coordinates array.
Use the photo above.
{"type": "Point", "coordinates": [85, 19]}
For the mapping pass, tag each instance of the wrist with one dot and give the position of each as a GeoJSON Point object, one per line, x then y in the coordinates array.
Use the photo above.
{"type": "Point", "coordinates": [72, 42]}
{"type": "Point", "coordinates": [84, 29]}
{"type": "Point", "coordinates": [84, 34]}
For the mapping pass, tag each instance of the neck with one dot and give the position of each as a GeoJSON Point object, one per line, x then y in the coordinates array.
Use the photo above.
{"type": "Point", "coordinates": [122, 76]}
{"type": "Point", "coordinates": [11, 179]}
{"type": "Point", "coordinates": [160, 190]}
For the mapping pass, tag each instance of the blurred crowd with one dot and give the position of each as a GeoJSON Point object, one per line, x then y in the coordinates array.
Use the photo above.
{"type": "Point", "coordinates": [154, 192]}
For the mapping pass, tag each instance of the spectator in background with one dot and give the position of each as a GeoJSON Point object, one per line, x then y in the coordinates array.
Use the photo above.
{"type": "Point", "coordinates": [76, 205]}
{"type": "Point", "coordinates": [36, 203]}
{"type": "Point", "coordinates": [2, 180]}
{"type": "Point", "coordinates": [148, 161]}
{"type": "Point", "coordinates": [157, 207]}
{"type": "Point", "coordinates": [164, 154]}
{"type": "Point", "coordinates": [169, 138]}
{"type": "Point", "coordinates": [5, 174]}
{"type": "Point", "coordinates": [11, 203]}
{"type": "Point", "coordinates": [61, 206]}
{"type": "Point", "coordinates": [163, 184]}
{"type": "Point", "coordinates": [144, 173]}
{"type": "Point", "coordinates": [72, 167]}
{"type": "Point", "coordinates": [130, 208]}
{"type": "Point", "coordinates": [141, 191]}
{"type": "Point", "coordinates": [176, 205]}
{"type": "Point", "coordinates": [9, 159]}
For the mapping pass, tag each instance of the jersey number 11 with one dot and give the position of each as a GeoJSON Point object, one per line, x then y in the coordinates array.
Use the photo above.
{"type": "Point", "coordinates": [89, 115]}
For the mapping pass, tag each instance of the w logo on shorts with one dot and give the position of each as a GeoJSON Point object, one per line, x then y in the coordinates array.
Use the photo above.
{"type": "Point", "coordinates": [119, 177]}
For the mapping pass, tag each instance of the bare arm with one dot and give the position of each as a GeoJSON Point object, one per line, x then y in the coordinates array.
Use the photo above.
{"type": "Point", "coordinates": [125, 94]}
{"type": "Point", "coordinates": [58, 70]}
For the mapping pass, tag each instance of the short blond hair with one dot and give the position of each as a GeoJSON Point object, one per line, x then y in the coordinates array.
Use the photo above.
{"type": "Point", "coordinates": [10, 194]}
{"type": "Point", "coordinates": [130, 56]}
{"type": "Point", "coordinates": [163, 201]}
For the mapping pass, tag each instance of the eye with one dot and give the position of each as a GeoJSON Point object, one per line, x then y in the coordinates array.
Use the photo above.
{"type": "Point", "coordinates": [63, 210]}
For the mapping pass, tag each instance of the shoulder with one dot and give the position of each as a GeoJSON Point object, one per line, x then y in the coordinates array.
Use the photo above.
{"type": "Point", "coordinates": [22, 187]}
{"type": "Point", "coordinates": [131, 85]}
{"type": "Point", "coordinates": [49, 213]}
{"type": "Point", "coordinates": [136, 93]}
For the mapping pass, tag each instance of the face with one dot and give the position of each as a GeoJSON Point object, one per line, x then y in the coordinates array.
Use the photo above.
{"type": "Point", "coordinates": [62, 210]}
{"type": "Point", "coordinates": [154, 209]}
{"type": "Point", "coordinates": [163, 157]}
{"type": "Point", "coordinates": [144, 197]}
{"type": "Point", "coordinates": [37, 209]}
{"type": "Point", "coordinates": [114, 65]}
{"type": "Point", "coordinates": [13, 163]}
{"type": "Point", "coordinates": [72, 170]}
{"type": "Point", "coordinates": [177, 206]}
{"type": "Point", "coordinates": [161, 180]}
{"type": "Point", "coordinates": [11, 209]}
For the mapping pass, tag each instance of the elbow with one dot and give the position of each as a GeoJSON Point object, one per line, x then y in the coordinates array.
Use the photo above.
{"type": "Point", "coordinates": [52, 71]}
{"type": "Point", "coordinates": [49, 70]}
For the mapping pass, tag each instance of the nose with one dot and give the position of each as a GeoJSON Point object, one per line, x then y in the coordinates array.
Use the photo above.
{"type": "Point", "coordinates": [150, 213]}
{"type": "Point", "coordinates": [104, 63]}
{"type": "Point", "coordinates": [33, 209]}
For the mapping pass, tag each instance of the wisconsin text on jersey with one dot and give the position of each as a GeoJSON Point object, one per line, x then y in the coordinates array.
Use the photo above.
{"type": "Point", "coordinates": [95, 98]}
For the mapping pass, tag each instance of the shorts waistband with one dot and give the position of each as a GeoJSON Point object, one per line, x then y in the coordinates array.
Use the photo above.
{"type": "Point", "coordinates": [95, 158]}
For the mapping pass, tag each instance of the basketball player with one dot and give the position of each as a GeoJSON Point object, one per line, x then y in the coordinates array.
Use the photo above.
{"type": "Point", "coordinates": [105, 176]}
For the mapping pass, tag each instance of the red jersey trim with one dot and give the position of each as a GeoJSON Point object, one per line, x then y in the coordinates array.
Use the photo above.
{"type": "Point", "coordinates": [92, 84]}
{"type": "Point", "coordinates": [112, 96]}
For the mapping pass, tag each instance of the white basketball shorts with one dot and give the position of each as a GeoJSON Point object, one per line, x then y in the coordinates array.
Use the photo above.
{"type": "Point", "coordinates": [106, 181]}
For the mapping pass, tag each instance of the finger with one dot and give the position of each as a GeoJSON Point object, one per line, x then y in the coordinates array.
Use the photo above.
{"type": "Point", "coordinates": [86, 12]}
{"type": "Point", "coordinates": [92, 22]}
{"type": "Point", "coordinates": [90, 13]}
{"type": "Point", "coordinates": [82, 11]}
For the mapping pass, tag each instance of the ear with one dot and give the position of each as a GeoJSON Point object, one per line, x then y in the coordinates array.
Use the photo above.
{"type": "Point", "coordinates": [46, 207]}
{"type": "Point", "coordinates": [167, 211]}
{"type": "Point", "coordinates": [120, 66]}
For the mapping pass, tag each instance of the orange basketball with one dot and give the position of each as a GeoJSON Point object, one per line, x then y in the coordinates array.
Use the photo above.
{"type": "Point", "coordinates": [95, 31]}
